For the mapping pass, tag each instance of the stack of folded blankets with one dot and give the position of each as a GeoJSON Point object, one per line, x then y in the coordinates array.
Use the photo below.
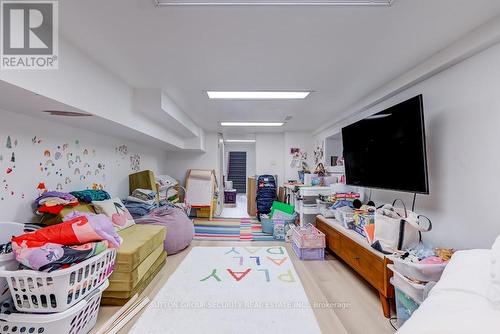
{"type": "Point", "coordinates": [89, 195]}
{"type": "Point", "coordinates": [53, 202]}
{"type": "Point", "coordinates": [141, 202]}
{"type": "Point", "coordinates": [54, 205]}
{"type": "Point", "coordinates": [167, 188]}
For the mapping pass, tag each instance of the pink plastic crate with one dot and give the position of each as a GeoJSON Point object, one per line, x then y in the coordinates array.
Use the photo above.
{"type": "Point", "coordinates": [308, 237]}
{"type": "Point", "coordinates": [309, 253]}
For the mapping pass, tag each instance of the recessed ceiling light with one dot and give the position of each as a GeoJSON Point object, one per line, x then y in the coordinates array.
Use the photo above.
{"type": "Point", "coordinates": [66, 113]}
{"type": "Point", "coordinates": [276, 2]}
{"type": "Point", "coordinates": [250, 124]}
{"type": "Point", "coordinates": [257, 95]}
{"type": "Point", "coordinates": [239, 140]}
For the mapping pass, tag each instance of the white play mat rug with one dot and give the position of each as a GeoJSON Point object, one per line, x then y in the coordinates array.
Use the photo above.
{"type": "Point", "coordinates": [231, 290]}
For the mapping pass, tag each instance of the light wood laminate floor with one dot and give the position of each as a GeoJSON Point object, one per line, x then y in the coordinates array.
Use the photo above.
{"type": "Point", "coordinates": [329, 281]}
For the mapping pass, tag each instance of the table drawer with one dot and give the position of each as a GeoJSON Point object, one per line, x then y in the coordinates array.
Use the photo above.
{"type": "Point", "coordinates": [364, 262]}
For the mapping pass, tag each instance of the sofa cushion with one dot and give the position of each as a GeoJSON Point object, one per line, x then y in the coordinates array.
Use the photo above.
{"type": "Point", "coordinates": [121, 297]}
{"type": "Point", "coordinates": [120, 281]}
{"type": "Point", "coordinates": [139, 241]}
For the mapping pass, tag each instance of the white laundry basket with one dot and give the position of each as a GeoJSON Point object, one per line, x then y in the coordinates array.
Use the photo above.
{"type": "Point", "coordinates": [7, 261]}
{"type": "Point", "coordinates": [80, 319]}
{"type": "Point", "coordinates": [41, 292]}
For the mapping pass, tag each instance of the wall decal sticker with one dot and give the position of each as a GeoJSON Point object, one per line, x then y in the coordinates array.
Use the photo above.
{"type": "Point", "coordinates": [41, 188]}
{"type": "Point", "coordinates": [13, 157]}
{"type": "Point", "coordinates": [46, 153]}
{"type": "Point", "coordinates": [58, 155]}
{"type": "Point", "coordinates": [135, 162]}
{"type": "Point", "coordinates": [77, 171]}
{"type": "Point", "coordinates": [9, 143]}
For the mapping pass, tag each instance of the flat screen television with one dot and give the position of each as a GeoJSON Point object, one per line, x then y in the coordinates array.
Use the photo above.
{"type": "Point", "coordinates": [387, 150]}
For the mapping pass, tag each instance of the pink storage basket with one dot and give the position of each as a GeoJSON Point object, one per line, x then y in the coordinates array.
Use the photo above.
{"type": "Point", "coordinates": [308, 237]}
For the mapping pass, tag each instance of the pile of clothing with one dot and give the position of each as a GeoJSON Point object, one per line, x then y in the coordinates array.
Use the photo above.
{"type": "Point", "coordinates": [53, 202]}
{"type": "Point", "coordinates": [79, 237]}
{"type": "Point", "coordinates": [89, 195]}
{"type": "Point", "coordinates": [141, 203]}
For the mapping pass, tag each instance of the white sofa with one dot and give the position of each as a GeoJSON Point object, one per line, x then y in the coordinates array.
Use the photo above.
{"type": "Point", "coordinates": [459, 302]}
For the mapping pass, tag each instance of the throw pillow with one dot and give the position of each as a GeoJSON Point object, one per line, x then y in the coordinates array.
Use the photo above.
{"type": "Point", "coordinates": [116, 211]}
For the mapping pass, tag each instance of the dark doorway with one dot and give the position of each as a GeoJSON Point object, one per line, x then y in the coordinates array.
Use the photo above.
{"type": "Point", "coordinates": [237, 171]}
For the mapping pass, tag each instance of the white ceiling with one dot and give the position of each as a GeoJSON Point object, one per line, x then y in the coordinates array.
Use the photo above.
{"type": "Point", "coordinates": [340, 53]}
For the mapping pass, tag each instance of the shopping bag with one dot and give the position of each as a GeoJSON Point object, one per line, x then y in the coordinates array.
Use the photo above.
{"type": "Point", "coordinates": [398, 228]}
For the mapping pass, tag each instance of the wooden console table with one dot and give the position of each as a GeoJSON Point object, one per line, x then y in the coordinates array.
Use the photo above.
{"type": "Point", "coordinates": [355, 251]}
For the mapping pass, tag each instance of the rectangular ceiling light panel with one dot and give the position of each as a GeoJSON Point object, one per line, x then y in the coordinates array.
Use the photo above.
{"type": "Point", "coordinates": [257, 95]}
{"type": "Point", "coordinates": [240, 140]}
{"type": "Point", "coordinates": [276, 2]}
{"type": "Point", "coordinates": [251, 124]}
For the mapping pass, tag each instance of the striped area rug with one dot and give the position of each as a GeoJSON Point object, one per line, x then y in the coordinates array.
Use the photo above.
{"type": "Point", "coordinates": [220, 229]}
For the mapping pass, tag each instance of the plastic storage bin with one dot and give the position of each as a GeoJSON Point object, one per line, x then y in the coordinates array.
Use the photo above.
{"type": "Point", "coordinates": [79, 319]}
{"type": "Point", "coordinates": [418, 271]}
{"type": "Point", "coordinates": [308, 237]}
{"type": "Point", "coordinates": [417, 292]}
{"type": "Point", "coordinates": [324, 209]}
{"type": "Point", "coordinates": [405, 306]}
{"type": "Point", "coordinates": [40, 292]}
{"type": "Point", "coordinates": [268, 223]}
{"type": "Point", "coordinates": [345, 216]}
{"type": "Point", "coordinates": [308, 253]}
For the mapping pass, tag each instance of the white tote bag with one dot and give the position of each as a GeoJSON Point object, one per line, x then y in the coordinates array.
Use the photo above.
{"type": "Point", "coordinates": [398, 229]}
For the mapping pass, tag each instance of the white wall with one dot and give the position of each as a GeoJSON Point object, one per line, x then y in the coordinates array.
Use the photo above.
{"type": "Point", "coordinates": [67, 147]}
{"type": "Point", "coordinates": [178, 162]}
{"type": "Point", "coordinates": [269, 149]}
{"type": "Point", "coordinates": [333, 147]}
{"type": "Point", "coordinates": [82, 83]}
{"type": "Point", "coordinates": [249, 148]}
{"type": "Point", "coordinates": [462, 114]}
{"type": "Point", "coordinates": [302, 140]}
